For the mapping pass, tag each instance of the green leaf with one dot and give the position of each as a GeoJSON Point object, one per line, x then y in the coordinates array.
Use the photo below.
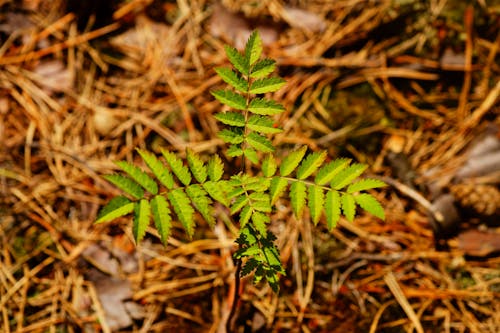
{"type": "Point", "coordinates": [234, 151]}
{"type": "Point", "coordinates": [298, 198]}
{"type": "Point", "coordinates": [178, 168]}
{"type": "Point", "coordinates": [267, 85]}
{"type": "Point", "coordinates": [215, 168]}
{"type": "Point", "coordinates": [126, 184]}
{"type": "Point", "coordinates": [365, 184]}
{"type": "Point", "coordinates": [237, 60]}
{"type": "Point", "coordinates": [231, 118]}
{"type": "Point", "coordinates": [370, 204]}
{"type": "Point", "coordinates": [316, 200]}
{"type": "Point", "coordinates": [263, 68]}
{"type": "Point", "coordinates": [330, 170]}
{"type": "Point", "coordinates": [278, 186]}
{"type": "Point", "coordinates": [161, 217]}
{"type": "Point", "coordinates": [272, 257]}
{"type": "Point", "coordinates": [260, 143]}
{"type": "Point", "coordinates": [139, 176]}
{"type": "Point", "coordinates": [215, 190]}
{"type": "Point", "coordinates": [262, 206]}
{"type": "Point", "coordinates": [348, 206]}
{"type": "Point", "coordinates": [182, 208]}
{"type": "Point", "coordinates": [239, 203]}
{"type": "Point", "coordinates": [249, 266]}
{"type": "Point", "coordinates": [158, 168]}
{"type": "Point", "coordinates": [290, 162]}
{"type": "Point", "coordinates": [269, 166]}
{"type": "Point", "coordinates": [248, 251]}
{"type": "Point", "coordinates": [259, 220]}
{"type": "Point", "coordinates": [262, 125]}
{"type": "Point", "coordinates": [231, 135]}
{"type": "Point", "coordinates": [231, 78]}
{"type": "Point", "coordinates": [230, 98]}
{"type": "Point", "coordinates": [115, 208]}
{"type": "Point", "coordinates": [142, 216]}
{"type": "Point", "coordinates": [253, 48]}
{"type": "Point", "coordinates": [245, 215]}
{"type": "Point", "coordinates": [201, 202]}
{"type": "Point", "coordinates": [196, 165]}
{"type": "Point", "coordinates": [265, 107]}
{"type": "Point", "coordinates": [310, 164]}
{"type": "Point", "coordinates": [332, 209]}
{"type": "Point", "coordinates": [346, 176]}
{"type": "Point", "coordinates": [251, 154]}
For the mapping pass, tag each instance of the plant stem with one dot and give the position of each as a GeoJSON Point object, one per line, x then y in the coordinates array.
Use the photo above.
{"type": "Point", "coordinates": [236, 298]}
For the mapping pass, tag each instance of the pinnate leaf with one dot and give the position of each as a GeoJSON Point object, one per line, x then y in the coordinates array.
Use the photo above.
{"type": "Point", "coordinates": [182, 208]}
{"type": "Point", "coordinates": [290, 162]}
{"type": "Point", "coordinates": [332, 209]}
{"type": "Point", "coordinates": [346, 176]}
{"type": "Point", "coordinates": [231, 78]}
{"type": "Point", "coordinates": [370, 204]}
{"type": "Point", "coordinates": [316, 200]}
{"type": "Point", "coordinates": [253, 48]}
{"type": "Point", "coordinates": [231, 118]}
{"type": "Point", "coordinates": [365, 184]}
{"type": "Point", "coordinates": [126, 184]}
{"type": "Point", "coordinates": [298, 198]}
{"type": "Point", "coordinates": [196, 165]}
{"type": "Point", "coordinates": [115, 208]}
{"type": "Point", "coordinates": [348, 206]}
{"type": "Point", "coordinates": [267, 85]}
{"type": "Point", "coordinates": [310, 164]}
{"type": "Point", "coordinates": [265, 107]}
{"type": "Point", "coordinates": [263, 68]}
{"type": "Point", "coordinates": [142, 216]}
{"type": "Point", "coordinates": [139, 176]}
{"type": "Point", "coordinates": [330, 170]}
{"type": "Point", "coordinates": [237, 60]}
{"type": "Point", "coordinates": [178, 167]}
{"type": "Point", "coordinates": [215, 168]}
{"type": "Point", "coordinates": [160, 171]}
{"type": "Point", "coordinates": [161, 217]}
{"type": "Point", "coordinates": [260, 143]}
{"type": "Point", "coordinates": [230, 99]}
{"type": "Point", "coordinates": [262, 125]}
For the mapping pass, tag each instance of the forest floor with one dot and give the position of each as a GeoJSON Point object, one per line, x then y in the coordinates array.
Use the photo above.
{"type": "Point", "coordinates": [410, 88]}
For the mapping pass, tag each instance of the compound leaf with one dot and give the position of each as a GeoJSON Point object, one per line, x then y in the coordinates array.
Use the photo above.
{"type": "Point", "coordinates": [316, 200]}
{"type": "Point", "coordinates": [260, 143]}
{"type": "Point", "coordinates": [161, 217]}
{"type": "Point", "coordinates": [237, 60]}
{"type": "Point", "coordinates": [348, 206]}
{"type": "Point", "coordinates": [290, 162]}
{"type": "Point", "coordinates": [142, 216]}
{"type": "Point", "coordinates": [126, 184]}
{"type": "Point", "coordinates": [231, 78]}
{"type": "Point", "coordinates": [330, 170]}
{"type": "Point", "coordinates": [178, 168]}
{"type": "Point", "coordinates": [298, 198]}
{"type": "Point", "coordinates": [196, 165]}
{"type": "Point", "coordinates": [370, 204]}
{"type": "Point", "coordinates": [158, 168]}
{"type": "Point", "coordinates": [230, 99]}
{"type": "Point", "coordinates": [263, 68]}
{"type": "Point", "coordinates": [310, 164]}
{"type": "Point", "coordinates": [253, 48]}
{"type": "Point", "coordinates": [117, 207]}
{"type": "Point", "coordinates": [262, 125]}
{"type": "Point", "coordinates": [278, 186]}
{"type": "Point", "coordinates": [139, 176]}
{"type": "Point", "coordinates": [215, 168]}
{"type": "Point", "coordinates": [269, 166]}
{"type": "Point", "coordinates": [332, 209]}
{"type": "Point", "coordinates": [182, 208]}
{"type": "Point", "coordinates": [265, 107]}
{"type": "Point", "coordinates": [365, 184]}
{"type": "Point", "coordinates": [266, 85]}
{"type": "Point", "coordinates": [346, 176]}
